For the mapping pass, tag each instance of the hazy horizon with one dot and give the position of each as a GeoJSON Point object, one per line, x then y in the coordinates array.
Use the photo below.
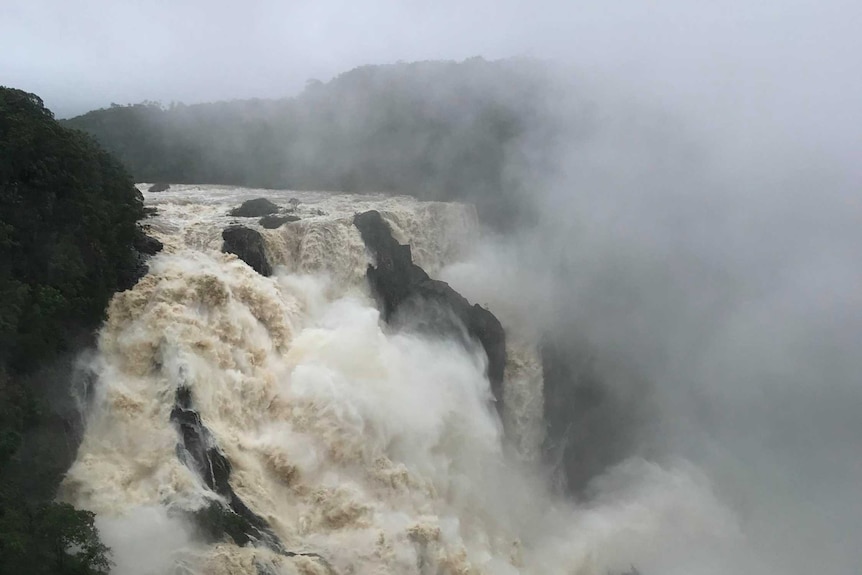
{"type": "Point", "coordinates": [755, 59]}
{"type": "Point", "coordinates": [703, 230]}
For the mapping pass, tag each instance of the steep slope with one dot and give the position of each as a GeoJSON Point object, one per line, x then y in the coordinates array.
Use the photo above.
{"type": "Point", "coordinates": [68, 240]}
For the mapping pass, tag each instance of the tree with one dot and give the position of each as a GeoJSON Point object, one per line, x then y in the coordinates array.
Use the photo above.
{"type": "Point", "coordinates": [68, 214]}
{"type": "Point", "coordinates": [68, 219]}
{"type": "Point", "coordinates": [50, 538]}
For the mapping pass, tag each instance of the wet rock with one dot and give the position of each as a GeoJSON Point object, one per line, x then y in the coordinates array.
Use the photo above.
{"type": "Point", "coordinates": [139, 270]}
{"type": "Point", "coordinates": [248, 245]}
{"type": "Point", "coordinates": [409, 296]}
{"type": "Point", "coordinates": [199, 451]}
{"type": "Point", "coordinates": [159, 187]}
{"type": "Point", "coordinates": [255, 208]}
{"type": "Point", "coordinates": [146, 244]}
{"type": "Point", "coordinates": [143, 247]}
{"type": "Point", "coordinates": [274, 221]}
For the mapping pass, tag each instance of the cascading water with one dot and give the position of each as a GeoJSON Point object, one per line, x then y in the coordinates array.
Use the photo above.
{"type": "Point", "coordinates": [347, 446]}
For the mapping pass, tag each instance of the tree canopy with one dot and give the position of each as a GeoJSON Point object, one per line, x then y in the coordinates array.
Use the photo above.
{"type": "Point", "coordinates": [68, 213]}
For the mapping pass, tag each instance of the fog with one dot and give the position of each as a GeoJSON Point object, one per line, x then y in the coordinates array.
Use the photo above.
{"type": "Point", "coordinates": [728, 276]}
{"type": "Point", "coordinates": [711, 264]}
{"type": "Point", "coordinates": [698, 230]}
{"type": "Point", "coordinates": [771, 59]}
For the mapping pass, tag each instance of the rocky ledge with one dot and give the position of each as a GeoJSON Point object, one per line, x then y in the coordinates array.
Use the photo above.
{"type": "Point", "coordinates": [247, 245]}
{"type": "Point", "coordinates": [255, 208]}
{"type": "Point", "coordinates": [433, 305]}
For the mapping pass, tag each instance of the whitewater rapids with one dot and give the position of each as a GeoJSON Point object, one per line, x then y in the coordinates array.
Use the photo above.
{"type": "Point", "coordinates": [377, 450]}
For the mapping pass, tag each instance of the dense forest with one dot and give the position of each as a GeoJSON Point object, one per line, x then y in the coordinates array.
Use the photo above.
{"type": "Point", "coordinates": [68, 213]}
{"type": "Point", "coordinates": [434, 130]}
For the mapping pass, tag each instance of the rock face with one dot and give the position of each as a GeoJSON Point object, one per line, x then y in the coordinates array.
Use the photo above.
{"type": "Point", "coordinates": [255, 208]}
{"type": "Point", "coordinates": [274, 221]}
{"type": "Point", "coordinates": [427, 303]}
{"type": "Point", "coordinates": [200, 453]}
{"type": "Point", "coordinates": [146, 244]}
{"type": "Point", "coordinates": [144, 247]}
{"type": "Point", "coordinates": [160, 187]}
{"type": "Point", "coordinates": [247, 244]}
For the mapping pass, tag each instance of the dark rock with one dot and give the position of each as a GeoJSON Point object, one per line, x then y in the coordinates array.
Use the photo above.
{"type": "Point", "coordinates": [150, 212]}
{"type": "Point", "coordinates": [160, 187]}
{"type": "Point", "coordinates": [489, 331]}
{"type": "Point", "coordinates": [199, 452]}
{"type": "Point", "coordinates": [274, 221]}
{"type": "Point", "coordinates": [426, 303]}
{"type": "Point", "coordinates": [128, 279]}
{"type": "Point", "coordinates": [143, 247]}
{"type": "Point", "coordinates": [248, 245]}
{"type": "Point", "coordinates": [215, 521]}
{"type": "Point", "coordinates": [255, 208]}
{"type": "Point", "coordinates": [146, 244]}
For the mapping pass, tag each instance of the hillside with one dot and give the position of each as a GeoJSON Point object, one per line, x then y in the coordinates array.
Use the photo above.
{"type": "Point", "coordinates": [435, 130]}
{"type": "Point", "coordinates": [68, 213]}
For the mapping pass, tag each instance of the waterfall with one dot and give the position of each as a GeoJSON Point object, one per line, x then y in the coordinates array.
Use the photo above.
{"type": "Point", "coordinates": [250, 424]}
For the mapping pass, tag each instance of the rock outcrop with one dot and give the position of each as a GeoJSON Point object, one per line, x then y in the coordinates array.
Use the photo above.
{"type": "Point", "coordinates": [146, 244]}
{"type": "Point", "coordinates": [433, 305]}
{"type": "Point", "coordinates": [200, 453]}
{"type": "Point", "coordinates": [255, 208]}
{"type": "Point", "coordinates": [143, 247]}
{"type": "Point", "coordinates": [247, 245]}
{"type": "Point", "coordinates": [159, 187]}
{"type": "Point", "coordinates": [274, 221]}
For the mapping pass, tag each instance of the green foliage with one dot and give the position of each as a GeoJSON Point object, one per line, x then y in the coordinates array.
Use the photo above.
{"type": "Point", "coordinates": [68, 213]}
{"type": "Point", "coordinates": [68, 217]}
{"type": "Point", "coordinates": [436, 130]}
{"type": "Point", "coordinates": [49, 538]}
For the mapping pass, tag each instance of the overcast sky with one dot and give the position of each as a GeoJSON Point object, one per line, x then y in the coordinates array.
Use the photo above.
{"type": "Point", "coordinates": [787, 73]}
{"type": "Point", "coordinates": [762, 57]}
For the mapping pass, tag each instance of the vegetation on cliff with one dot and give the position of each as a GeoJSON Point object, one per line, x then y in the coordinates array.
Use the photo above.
{"type": "Point", "coordinates": [68, 213]}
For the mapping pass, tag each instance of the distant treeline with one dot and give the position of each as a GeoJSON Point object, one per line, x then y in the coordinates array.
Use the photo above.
{"type": "Point", "coordinates": [435, 130]}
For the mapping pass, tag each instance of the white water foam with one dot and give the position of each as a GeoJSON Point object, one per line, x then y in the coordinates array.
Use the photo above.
{"type": "Point", "coordinates": [376, 450]}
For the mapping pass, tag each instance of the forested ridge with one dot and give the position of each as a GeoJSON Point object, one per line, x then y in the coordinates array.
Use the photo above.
{"type": "Point", "coordinates": [434, 130]}
{"type": "Point", "coordinates": [68, 213]}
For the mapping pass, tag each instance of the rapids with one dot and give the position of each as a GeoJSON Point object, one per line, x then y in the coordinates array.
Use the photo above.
{"type": "Point", "coordinates": [369, 450]}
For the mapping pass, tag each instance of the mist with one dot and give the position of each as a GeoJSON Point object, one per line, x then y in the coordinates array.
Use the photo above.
{"type": "Point", "coordinates": [709, 267]}
{"type": "Point", "coordinates": [693, 237]}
